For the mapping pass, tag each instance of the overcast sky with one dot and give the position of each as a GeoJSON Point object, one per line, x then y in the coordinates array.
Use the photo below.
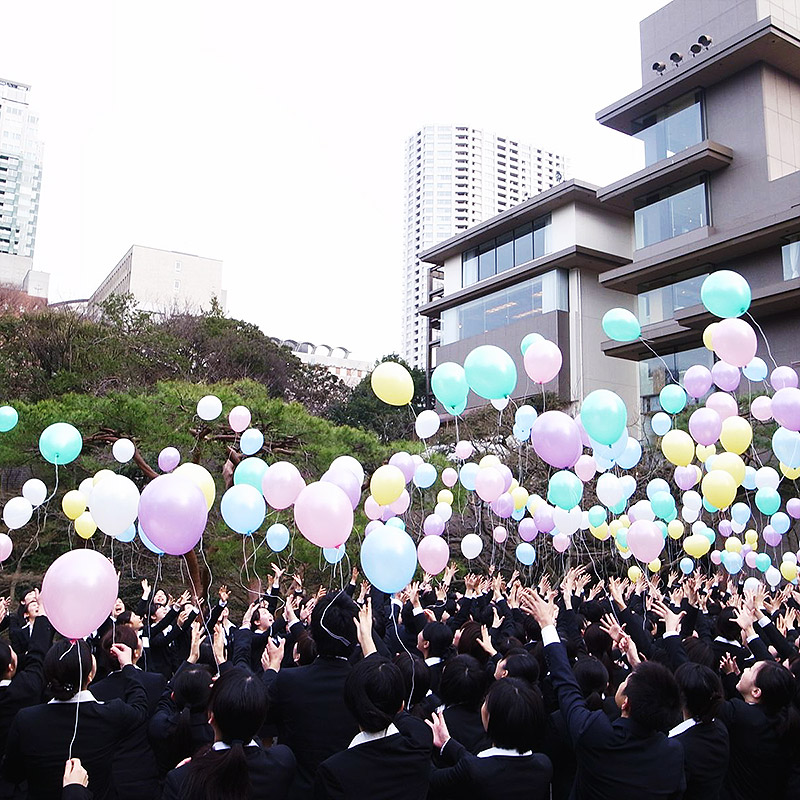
{"type": "Point", "coordinates": [271, 135]}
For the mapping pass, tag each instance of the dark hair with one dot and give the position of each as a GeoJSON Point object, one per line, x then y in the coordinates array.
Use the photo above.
{"type": "Point", "coordinates": [727, 627]}
{"type": "Point", "coordinates": [463, 681]}
{"type": "Point", "coordinates": [516, 715]}
{"type": "Point", "coordinates": [374, 693]}
{"type": "Point", "coordinates": [124, 618]}
{"type": "Point", "coordinates": [439, 638]}
{"type": "Point", "coordinates": [5, 657]}
{"type": "Point", "coordinates": [306, 648]}
{"type": "Point", "coordinates": [700, 652]}
{"type": "Point", "coordinates": [333, 624]}
{"type": "Point", "coordinates": [416, 680]}
{"type": "Point", "coordinates": [238, 702]}
{"type": "Point", "coordinates": [522, 665]}
{"type": "Point", "coordinates": [66, 668]}
{"type": "Point", "coordinates": [598, 642]}
{"type": "Point", "coordinates": [592, 677]}
{"type": "Point", "coordinates": [191, 689]}
{"type": "Point", "coordinates": [592, 610]}
{"type": "Point", "coordinates": [653, 697]}
{"type": "Point", "coordinates": [777, 686]}
{"type": "Point", "coordinates": [119, 634]}
{"type": "Point", "coordinates": [701, 690]}
{"type": "Point", "coordinates": [468, 642]}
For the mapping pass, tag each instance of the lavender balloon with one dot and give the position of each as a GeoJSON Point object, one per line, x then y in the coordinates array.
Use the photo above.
{"type": "Point", "coordinates": [404, 463]}
{"type": "Point", "coordinates": [528, 530]}
{"type": "Point", "coordinates": [556, 439]}
{"type": "Point", "coordinates": [503, 506]}
{"type": "Point", "coordinates": [168, 459]}
{"type": "Point", "coordinates": [543, 518]}
{"type": "Point", "coordinates": [685, 477]}
{"type": "Point", "coordinates": [347, 482]}
{"type": "Point", "coordinates": [705, 426]}
{"type": "Point", "coordinates": [786, 408]}
{"type": "Point", "coordinates": [173, 512]}
{"type": "Point", "coordinates": [726, 376]}
{"type": "Point", "coordinates": [697, 380]}
{"type": "Point", "coordinates": [771, 536]}
{"type": "Point", "coordinates": [433, 525]}
{"type": "Point", "coordinates": [783, 377]}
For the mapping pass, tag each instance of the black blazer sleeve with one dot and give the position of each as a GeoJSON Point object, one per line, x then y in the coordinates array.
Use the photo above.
{"type": "Point", "coordinates": [454, 779]}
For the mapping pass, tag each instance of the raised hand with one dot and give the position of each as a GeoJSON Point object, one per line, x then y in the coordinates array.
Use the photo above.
{"type": "Point", "coordinates": [354, 576]}
{"type": "Point", "coordinates": [728, 664]}
{"type": "Point", "coordinates": [672, 621]}
{"type": "Point", "coordinates": [611, 626]}
{"type": "Point", "coordinates": [122, 653]}
{"type": "Point", "coordinates": [145, 589]}
{"type": "Point", "coordinates": [628, 649]}
{"type": "Point", "coordinates": [184, 598]}
{"type": "Point", "coordinates": [198, 636]}
{"type": "Point", "coordinates": [485, 641]}
{"type": "Point", "coordinates": [277, 573]}
{"type": "Point", "coordinates": [439, 727]}
{"type": "Point", "coordinates": [218, 643]}
{"type": "Point", "coordinates": [272, 657]}
{"type": "Point", "coordinates": [224, 594]}
{"type": "Point", "coordinates": [543, 611]}
{"type": "Point", "coordinates": [364, 629]}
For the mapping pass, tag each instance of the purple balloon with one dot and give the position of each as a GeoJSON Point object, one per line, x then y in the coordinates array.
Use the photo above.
{"type": "Point", "coordinates": [404, 463]}
{"type": "Point", "coordinates": [543, 518]}
{"type": "Point", "coordinates": [697, 380]}
{"type": "Point", "coordinates": [793, 507]}
{"type": "Point", "coordinates": [771, 536]}
{"type": "Point", "coordinates": [725, 528]}
{"type": "Point", "coordinates": [168, 459]}
{"type": "Point", "coordinates": [585, 440]}
{"type": "Point", "coordinates": [726, 376]}
{"type": "Point", "coordinates": [173, 512]}
{"type": "Point", "coordinates": [527, 529]}
{"type": "Point", "coordinates": [685, 477]}
{"type": "Point", "coordinates": [433, 525]}
{"type": "Point", "coordinates": [508, 476]}
{"type": "Point", "coordinates": [561, 542]}
{"type": "Point", "coordinates": [346, 481]}
{"type": "Point", "coordinates": [387, 513]}
{"type": "Point", "coordinates": [705, 426]}
{"type": "Point", "coordinates": [503, 506]}
{"type": "Point", "coordinates": [786, 408]}
{"type": "Point", "coordinates": [556, 439]}
{"type": "Point", "coordinates": [372, 525]}
{"type": "Point", "coordinates": [724, 404]}
{"type": "Point", "coordinates": [783, 377]}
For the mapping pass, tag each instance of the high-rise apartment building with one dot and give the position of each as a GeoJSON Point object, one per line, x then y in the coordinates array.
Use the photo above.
{"type": "Point", "coordinates": [20, 170]}
{"type": "Point", "coordinates": [457, 177]}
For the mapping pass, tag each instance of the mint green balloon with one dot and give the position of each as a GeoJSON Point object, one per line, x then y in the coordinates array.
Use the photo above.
{"type": "Point", "coordinates": [449, 384]}
{"type": "Point", "coordinates": [60, 443]}
{"type": "Point", "coordinates": [621, 325]}
{"type": "Point", "coordinates": [528, 341]}
{"type": "Point", "coordinates": [490, 372]}
{"type": "Point", "coordinates": [726, 293]}
{"type": "Point", "coordinates": [597, 516]}
{"type": "Point", "coordinates": [565, 490]}
{"type": "Point", "coordinates": [672, 398]}
{"type": "Point", "coordinates": [604, 416]}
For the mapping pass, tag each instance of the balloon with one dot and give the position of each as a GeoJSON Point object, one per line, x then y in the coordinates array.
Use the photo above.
{"type": "Point", "coordinates": [756, 370]}
{"type": "Point", "coordinates": [687, 566]}
{"type": "Point", "coordinates": [201, 478]}
{"type": "Point", "coordinates": [168, 459]}
{"type": "Point", "coordinates": [449, 477]}
{"type": "Point", "coordinates": [763, 562]}
{"type": "Point", "coordinates": [705, 426]}
{"type": "Point", "coordinates": [733, 562]}
{"type": "Point", "coordinates": [604, 416]}
{"type": "Point", "coordinates": [780, 522]}
{"type": "Point", "coordinates": [608, 489]}
{"type": "Point", "coordinates": [392, 383]}
{"type": "Point", "coordinates": [433, 554]}
{"type": "Point", "coordinates": [768, 501]}
{"type": "Point", "coordinates": [736, 435]}
{"type": "Point", "coordinates": [783, 377]}
{"type": "Point", "coordinates": [561, 542]}
{"type": "Point", "coordinates": [500, 404]}
{"type": "Point", "coordinates": [277, 537]}
{"type": "Point", "coordinates": [8, 418]}
{"type": "Point", "coordinates": [789, 570]}
{"type": "Point", "coordinates": [528, 530]}
{"type": "Point", "coordinates": [678, 448]}
{"type": "Point", "coordinates": [173, 513]}
{"type": "Point", "coordinates": [793, 507]}
{"type": "Point", "coordinates": [786, 408]}
{"type": "Point", "coordinates": [726, 376]}
{"type": "Point", "coordinates": [243, 508]}
{"type": "Point", "coordinates": [489, 484]}
{"type": "Point", "coordinates": [405, 463]}
{"type": "Point", "coordinates": [734, 341]}
{"type": "Point", "coordinates": [525, 416]}
{"type": "Point", "coordinates": [427, 423]}
{"type": "Point", "coordinates": [60, 443]}
{"type": "Point", "coordinates": [773, 576]}
{"type": "Point", "coordinates": [387, 483]}
{"type": "Point", "coordinates": [499, 534]}
{"type": "Point", "coordinates": [542, 361]}
{"type": "Point", "coordinates": [490, 372]}
{"type": "Point", "coordinates": [6, 546]}
{"type": "Point", "coordinates": [585, 468]}
{"type": "Point", "coordinates": [725, 294]}
{"type": "Point", "coordinates": [73, 503]}
{"type": "Point", "coordinates": [526, 553]}
{"type": "Point", "coordinates": [661, 423]}
{"type": "Point", "coordinates": [696, 545]}
{"type": "Point", "coordinates": [567, 522]}
{"type": "Point", "coordinates": [433, 525]}
{"type": "Point", "coordinates": [17, 512]}
{"type": "Point", "coordinates": [400, 506]}
{"type": "Point", "coordinates": [771, 537]}
{"type": "Point", "coordinates": [348, 462]}
{"type": "Point", "coordinates": [323, 513]}
{"type": "Point", "coordinates": [239, 418]}
{"type": "Point", "coordinates": [209, 407]}
{"type": "Point", "coordinates": [719, 488]}
{"type": "Point", "coordinates": [697, 380]}
{"type": "Point", "coordinates": [251, 441]}
{"type": "Point", "coordinates": [645, 540]}
{"type": "Point", "coordinates": [565, 490]}
{"type": "Point", "coordinates": [708, 335]}
{"type": "Point", "coordinates": [468, 474]}
{"type": "Point", "coordinates": [115, 504]}
{"type": "Point", "coordinates": [631, 455]}
{"type": "Point", "coordinates": [251, 471]}
{"type": "Point", "coordinates": [389, 559]}
{"type": "Point", "coordinates": [34, 491]}
{"type": "Point", "coordinates": [85, 526]}
{"type": "Point", "coordinates": [449, 384]}
{"type": "Point", "coordinates": [761, 408]}
{"type": "Point", "coordinates": [471, 546]}
{"type": "Point", "coordinates": [740, 512]}
{"type": "Point", "coordinates": [621, 325]}
{"type": "Point", "coordinates": [333, 555]}
{"type": "Point", "coordinates": [147, 543]}
{"type": "Point", "coordinates": [79, 591]}
{"type": "Point", "coordinates": [672, 398]}
{"type": "Point", "coordinates": [634, 574]}
{"type": "Point", "coordinates": [528, 340]}
{"type": "Point", "coordinates": [123, 450]}
{"type": "Point", "coordinates": [786, 446]}
{"type": "Point", "coordinates": [425, 476]}
{"type": "Point", "coordinates": [556, 439]}
{"type": "Point", "coordinates": [464, 450]}
{"type": "Point", "coordinates": [127, 535]}
{"type": "Point", "coordinates": [282, 483]}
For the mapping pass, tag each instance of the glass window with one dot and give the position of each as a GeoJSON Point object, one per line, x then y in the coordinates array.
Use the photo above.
{"type": "Point", "coordinates": [670, 212]}
{"type": "Point", "coordinates": [671, 128]}
{"type": "Point", "coordinates": [790, 253]}
{"type": "Point", "coordinates": [656, 305]}
{"type": "Point", "coordinates": [656, 373]}
{"type": "Point", "coordinates": [505, 252]}
{"type": "Point", "coordinates": [487, 260]}
{"type": "Point", "coordinates": [523, 244]}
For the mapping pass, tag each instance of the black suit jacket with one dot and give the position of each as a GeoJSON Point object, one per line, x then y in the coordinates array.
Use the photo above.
{"type": "Point", "coordinates": [38, 742]}
{"type": "Point", "coordinates": [466, 727]}
{"type": "Point", "coordinates": [497, 777]}
{"type": "Point", "coordinates": [617, 760]}
{"type": "Point", "coordinates": [706, 749]}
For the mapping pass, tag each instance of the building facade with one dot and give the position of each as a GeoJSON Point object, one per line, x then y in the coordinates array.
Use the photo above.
{"type": "Point", "coordinates": [456, 177]}
{"type": "Point", "coordinates": [337, 360]}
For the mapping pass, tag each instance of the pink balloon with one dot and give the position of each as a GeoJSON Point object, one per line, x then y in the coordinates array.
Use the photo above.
{"type": "Point", "coordinates": [645, 540]}
{"type": "Point", "coordinates": [786, 408]}
{"type": "Point", "coordinates": [281, 484]}
{"type": "Point", "coordinates": [323, 514]}
{"type": "Point", "coordinates": [527, 529]}
{"type": "Point", "coordinates": [556, 438]}
{"type": "Point", "coordinates": [433, 525]}
{"type": "Point", "coordinates": [793, 507]}
{"type": "Point", "coordinates": [503, 506]}
{"type": "Point", "coordinates": [387, 513]}
{"type": "Point", "coordinates": [585, 468]}
{"type": "Point", "coordinates": [168, 459]}
{"type": "Point", "coordinates": [508, 476]}
{"type": "Point", "coordinates": [734, 341]}
{"type": "Point", "coordinates": [449, 477]}
{"type": "Point", "coordinates": [173, 513]}
{"type": "Point", "coordinates": [705, 426]}
{"type": "Point", "coordinates": [685, 477]}
{"type": "Point", "coordinates": [697, 380]}
{"type": "Point", "coordinates": [79, 591]}
{"type": "Point", "coordinates": [761, 408]}
{"type": "Point", "coordinates": [724, 404]}
{"type": "Point", "coordinates": [433, 554]}
{"type": "Point", "coordinates": [542, 361]}
{"type": "Point", "coordinates": [464, 450]}
{"type": "Point", "coordinates": [346, 480]}
{"type": "Point", "coordinates": [500, 534]}
{"type": "Point", "coordinates": [405, 463]}
{"type": "Point", "coordinates": [372, 509]}
{"type": "Point", "coordinates": [489, 484]}
{"type": "Point", "coordinates": [6, 546]}
{"type": "Point", "coordinates": [783, 377]}
{"type": "Point", "coordinates": [543, 517]}
{"type": "Point", "coordinates": [400, 506]}
{"type": "Point", "coordinates": [239, 418]}
{"type": "Point", "coordinates": [561, 541]}
{"type": "Point", "coordinates": [372, 525]}
{"type": "Point", "coordinates": [771, 536]}
{"type": "Point", "coordinates": [726, 376]}
{"type": "Point", "coordinates": [750, 559]}
{"type": "Point", "coordinates": [585, 440]}
{"type": "Point", "coordinates": [716, 557]}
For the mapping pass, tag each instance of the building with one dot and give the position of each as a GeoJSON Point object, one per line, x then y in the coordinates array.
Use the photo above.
{"type": "Point", "coordinates": [17, 272]}
{"type": "Point", "coordinates": [457, 177]}
{"type": "Point", "coordinates": [164, 281]}
{"type": "Point", "coordinates": [336, 360]}
{"type": "Point", "coordinates": [718, 117]}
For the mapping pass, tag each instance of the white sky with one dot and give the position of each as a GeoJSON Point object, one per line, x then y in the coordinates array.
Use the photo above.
{"type": "Point", "coordinates": [271, 135]}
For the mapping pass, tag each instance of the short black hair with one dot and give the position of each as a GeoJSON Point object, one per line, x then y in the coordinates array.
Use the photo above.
{"type": "Point", "coordinates": [333, 624]}
{"type": "Point", "coordinates": [5, 657]}
{"type": "Point", "coordinates": [66, 667]}
{"type": "Point", "coordinates": [524, 666]}
{"type": "Point", "coordinates": [777, 686]}
{"type": "Point", "coordinates": [463, 681]}
{"type": "Point", "coordinates": [416, 674]}
{"type": "Point", "coordinates": [701, 690]}
{"type": "Point", "coordinates": [653, 697]}
{"type": "Point", "coordinates": [439, 638]}
{"type": "Point", "coordinates": [598, 642]}
{"type": "Point", "coordinates": [700, 652]}
{"type": "Point", "coordinates": [516, 715]}
{"type": "Point", "coordinates": [592, 677]}
{"type": "Point", "coordinates": [469, 642]}
{"type": "Point", "coordinates": [374, 692]}
{"type": "Point", "coordinates": [727, 627]}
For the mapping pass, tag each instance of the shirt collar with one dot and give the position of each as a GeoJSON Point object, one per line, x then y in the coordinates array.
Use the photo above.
{"type": "Point", "coordinates": [225, 746]}
{"type": "Point", "coordinates": [728, 641]}
{"type": "Point", "coordinates": [684, 726]}
{"type": "Point", "coordinates": [364, 736]}
{"type": "Point", "coordinates": [5, 683]}
{"type": "Point", "coordinates": [502, 751]}
{"type": "Point", "coordinates": [433, 660]}
{"type": "Point", "coordinates": [81, 697]}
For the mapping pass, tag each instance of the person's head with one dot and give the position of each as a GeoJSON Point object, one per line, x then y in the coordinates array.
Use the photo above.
{"type": "Point", "coordinates": [262, 619]}
{"type": "Point", "coordinates": [28, 596]}
{"type": "Point", "coordinates": [649, 696]}
{"type": "Point", "coordinates": [518, 663]}
{"type": "Point", "coordinates": [191, 688]}
{"type": "Point", "coordinates": [416, 678]}
{"type": "Point", "coordinates": [121, 634]}
{"type": "Point", "coordinates": [598, 642]}
{"type": "Point", "coordinates": [159, 612]}
{"type": "Point", "coordinates": [592, 677]}
{"type": "Point", "coordinates": [333, 625]}
{"type": "Point", "coordinates": [513, 715]}
{"type": "Point", "coordinates": [68, 668]}
{"type": "Point", "coordinates": [119, 607]}
{"type": "Point", "coordinates": [31, 610]}
{"type": "Point", "coordinates": [160, 598]}
{"type": "Point", "coordinates": [305, 649]}
{"type": "Point", "coordinates": [374, 693]}
{"type": "Point", "coordinates": [701, 691]}
{"type": "Point", "coordinates": [463, 681]}
{"type": "Point", "coordinates": [435, 640]}
{"type": "Point", "coordinates": [700, 652]}
{"type": "Point", "coordinates": [769, 684]}
{"type": "Point", "coordinates": [8, 661]}
{"type": "Point", "coordinates": [727, 627]}
{"type": "Point", "coordinates": [468, 642]}
{"type": "Point", "coordinates": [130, 618]}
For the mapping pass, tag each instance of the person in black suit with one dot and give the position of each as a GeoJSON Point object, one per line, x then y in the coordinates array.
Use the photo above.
{"type": "Point", "coordinates": [41, 737]}
{"type": "Point", "coordinates": [235, 766]}
{"type": "Point", "coordinates": [390, 757]}
{"type": "Point", "coordinates": [462, 689]}
{"type": "Point", "coordinates": [514, 717]}
{"type": "Point", "coordinates": [630, 758]}
{"type": "Point", "coordinates": [435, 643]}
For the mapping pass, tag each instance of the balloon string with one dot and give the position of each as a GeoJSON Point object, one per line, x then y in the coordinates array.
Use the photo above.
{"type": "Point", "coordinates": [666, 367]}
{"type": "Point", "coordinates": [763, 336]}
{"type": "Point", "coordinates": [55, 488]}
{"type": "Point", "coordinates": [77, 702]}
{"type": "Point", "coordinates": [203, 620]}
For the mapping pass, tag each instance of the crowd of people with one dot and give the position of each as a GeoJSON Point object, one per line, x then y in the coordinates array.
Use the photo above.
{"type": "Point", "coordinates": [577, 687]}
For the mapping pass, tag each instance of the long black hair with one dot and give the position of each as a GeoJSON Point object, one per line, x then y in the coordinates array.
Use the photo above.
{"type": "Point", "coordinates": [67, 666]}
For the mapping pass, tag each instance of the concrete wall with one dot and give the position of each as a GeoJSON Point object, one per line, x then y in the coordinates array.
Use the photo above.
{"type": "Point", "coordinates": [781, 95]}
{"type": "Point", "coordinates": [452, 275]}
{"type": "Point", "coordinates": [784, 12]}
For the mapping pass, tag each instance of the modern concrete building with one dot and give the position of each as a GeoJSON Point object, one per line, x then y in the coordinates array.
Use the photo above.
{"type": "Point", "coordinates": [336, 360]}
{"type": "Point", "coordinates": [457, 176]}
{"type": "Point", "coordinates": [164, 281]}
{"type": "Point", "coordinates": [17, 272]}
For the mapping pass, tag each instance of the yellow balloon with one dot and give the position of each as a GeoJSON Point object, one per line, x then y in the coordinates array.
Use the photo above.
{"type": "Point", "coordinates": [444, 496]}
{"type": "Point", "coordinates": [614, 526]}
{"type": "Point", "coordinates": [719, 488]}
{"type": "Point", "coordinates": [520, 497]}
{"type": "Point", "coordinates": [708, 335]}
{"type": "Point", "coordinates": [696, 545]}
{"type": "Point", "coordinates": [736, 435]}
{"type": "Point", "coordinates": [789, 570]}
{"type": "Point", "coordinates": [201, 477]}
{"type": "Point", "coordinates": [100, 475]}
{"type": "Point", "coordinates": [704, 451]}
{"type": "Point", "coordinates": [678, 447]}
{"type": "Point", "coordinates": [514, 485]}
{"type": "Point", "coordinates": [675, 529]}
{"type": "Point", "coordinates": [489, 461]}
{"type": "Point", "coordinates": [392, 383]}
{"type": "Point", "coordinates": [85, 526]}
{"type": "Point", "coordinates": [634, 574]}
{"type": "Point", "coordinates": [751, 537]}
{"type": "Point", "coordinates": [601, 532]}
{"type": "Point", "coordinates": [732, 464]}
{"type": "Point", "coordinates": [624, 521]}
{"type": "Point", "coordinates": [387, 484]}
{"type": "Point", "coordinates": [733, 544]}
{"type": "Point", "coordinates": [790, 473]}
{"type": "Point", "coordinates": [73, 504]}
{"type": "Point", "coordinates": [654, 565]}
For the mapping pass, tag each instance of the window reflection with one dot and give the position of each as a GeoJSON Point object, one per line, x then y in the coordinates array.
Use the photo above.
{"type": "Point", "coordinates": [671, 128]}
{"type": "Point", "coordinates": [670, 212]}
{"type": "Point", "coordinates": [659, 304]}
{"type": "Point", "coordinates": [790, 254]}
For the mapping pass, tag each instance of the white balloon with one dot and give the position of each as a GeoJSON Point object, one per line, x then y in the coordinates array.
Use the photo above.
{"type": "Point", "coordinates": [767, 478]}
{"type": "Point", "coordinates": [643, 510]}
{"type": "Point", "coordinates": [790, 557]}
{"type": "Point", "coordinates": [123, 450]}
{"type": "Point", "coordinates": [585, 521]}
{"type": "Point", "coordinates": [500, 403]}
{"type": "Point", "coordinates": [17, 512]}
{"type": "Point", "coordinates": [471, 545]}
{"type": "Point", "coordinates": [608, 489]}
{"type": "Point", "coordinates": [690, 514]}
{"type": "Point", "coordinates": [773, 576]}
{"type": "Point", "coordinates": [115, 504]}
{"type": "Point", "coordinates": [34, 491]}
{"type": "Point", "coordinates": [692, 499]}
{"type": "Point", "coordinates": [427, 424]}
{"type": "Point", "coordinates": [737, 527]}
{"type": "Point", "coordinates": [698, 526]}
{"type": "Point", "coordinates": [86, 488]}
{"type": "Point", "coordinates": [567, 521]}
{"type": "Point", "coordinates": [352, 464]}
{"type": "Point", "coordinates": [628, 485]}
{"type": "Point", "coordinates": [209, 407]}
{"type": "Point", "coordinates": [443, 510]}
{"type": "Point", "coordinates": [752, 584]}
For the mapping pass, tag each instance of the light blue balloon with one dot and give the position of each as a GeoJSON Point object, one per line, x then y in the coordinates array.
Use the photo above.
{"type": "Point", "coordinates": [8, 418]}
{"type": "Point", "coordinates": [528, 340]}
{"type": "Point", "coordinates": [60, 443]}
{"type": "Point", "coordinates": [146, 542]}
{"type": "Point", "coordinates": [250, 471]}
{"type": "Point", "coordinates": [565, 489]}
{"type": "Point", "coordinates": [725, 294]}
{"type": "Point", "coordinates": [449, 384]}
{"type": "Point", "coordinates": [786, 446]}
{"type": "Point", "coordinates": [490, 372]}
{"type": "Point", "coordinates": [396, 522]}
{"type": "Point", "coordinates": [756, 370]}
{"type": "Point", "coordinates": [628, 485]}
{"type": "Point", "coordinates": [687, 566]}
{"type": "Point", "coordinates": [621, 325]}
{"type": "Point", "coordinates": [740, 512]}
{"type": "Point", "coordinates": [660, 423]}
{"type": "Point", "coordinates": [604, 416]}
{"type": "Point", "coordinates": [622, 537]}
{"type": "Point", "coordinates": [520, 434]}
{"type": "Point", "coordinates": [662, 527]}
{"type": "Point", "coordinates": [610, 452]}
{"type": "Point", "coordinates": [663, 504]}
{"type": "Point", "coordinates": [709, 463]}
{"type": "Point", "coordinates": [128, 535]}
{"type": "Point", "coordinates": [768, 501]}
{"type": "Point", "coordinates": [749, 481]}
{"type": "Point", "coordinates": [251, 442]}
{"type": "Point", "coordinates": [603, 464]}
{"type": "Point", "coordinates": [526, 553]}
{"type": "Point", "coordinates": [467, 475]}
{"type": "Point", "coordinates": [277, 537]}
{"type": "Point", "coordinates": [597, 516]}
{"type": "Point", "coordinates": [780, 521]}
{"type": "Point", "coordinates": [671, 516]}
{"type": "Point", "coordinates": [518, 514]}
{"type": "Point", "coordinates": [425, 475]}
{"type": "Point", "coordinates": [389, 559]}
{"type": "Point", "coordinates": [525, 416]}
{"type": "Point", "coordinates": [710, 534]}
{"type": "Point", "coordinates": [243, 508]}
{"type": "Point", "coordinates": [333, 555]}
{"type": "Point", "coordinates": [655, 486]}
{"type": "Point", "coordinates": [672, 398]}
{"type": "Point", "coordinates": [631, 455]}
{"type": "Point", "coordinates": [732, 562]}
{"type": "Point", "coordinates": [763, 562]}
